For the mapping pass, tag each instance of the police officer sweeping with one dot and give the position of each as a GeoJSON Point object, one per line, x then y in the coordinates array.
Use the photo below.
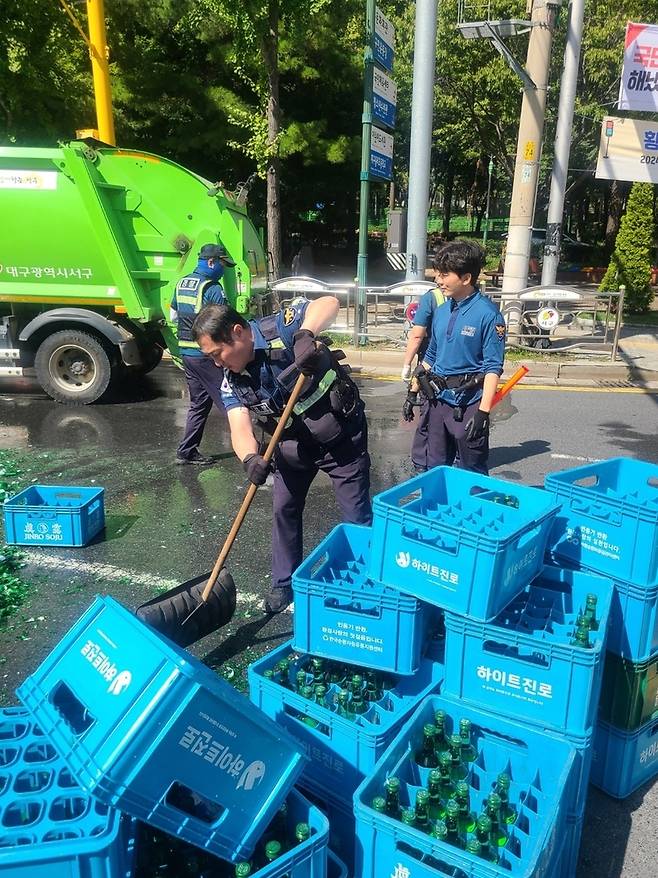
{"type": "Point", "coordinates": [463, 362]}
{"type": "Point", "coordinates": [193, 292]}
{"type": "Point", "coordinates": [261, 361]}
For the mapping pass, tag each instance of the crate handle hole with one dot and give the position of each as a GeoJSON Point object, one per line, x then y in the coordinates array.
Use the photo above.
{"type": "Point", "coordinates": [438, 865]}
{"type": "Point", "coordinates": [356, 607]}
{"type": "Point", "coordinates": [11, 841]}
{"type": "Point", "coordinates": [587, 481]}
{"type": "Point", "coordinates": [319, 564]}
{"type": "Point", "coordinates": [410, 498]}
{"type": "Point", "coordinates": [531, 658]}
{"type": "Point", "coordinates": [192, 803]}
{"type": "Point", "coordinates": [652, 481]}
{"type": "Point", "coordinates": [307, 721]}
{"type": "Point", "coordinates": [71, 709]}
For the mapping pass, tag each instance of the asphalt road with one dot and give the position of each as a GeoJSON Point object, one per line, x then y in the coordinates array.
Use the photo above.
{"type": "Point", "coordinates": [165, 524]}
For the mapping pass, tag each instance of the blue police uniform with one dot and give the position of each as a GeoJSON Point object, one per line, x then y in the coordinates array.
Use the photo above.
{"type": "Point", "coordinates": [467, 342]}
{"type": "Point", "coordinates": [193, 292]}
{"type": "Point", "coordinates": [424, 315]}
{"type": "Point", "coordinates": [327, 432]}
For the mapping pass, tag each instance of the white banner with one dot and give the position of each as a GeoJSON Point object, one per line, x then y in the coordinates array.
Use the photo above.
{"type": "Point", "coordinates": [638, 89]}
{"type": "Point", "coordinates": [628, 150]}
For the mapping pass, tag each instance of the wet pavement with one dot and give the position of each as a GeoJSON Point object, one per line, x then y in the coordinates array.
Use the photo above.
{"type": "Point", "coordinates": [165, 524]}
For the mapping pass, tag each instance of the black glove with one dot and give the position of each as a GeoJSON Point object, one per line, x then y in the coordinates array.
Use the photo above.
{"type": "Point", "coordinates": [477, 427]}
{"type": "Point", "coordinates": [309, 357]}
{"type": "Point", "coordinates": [408, 407]}
{"type": "Point", "coordinates": [256, 468]}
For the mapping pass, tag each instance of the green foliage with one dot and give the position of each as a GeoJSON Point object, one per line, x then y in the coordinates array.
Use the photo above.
{"type": "Point", "coordinates": [631, 261]}
{"type": "Point", "coordinates": [12, 587]}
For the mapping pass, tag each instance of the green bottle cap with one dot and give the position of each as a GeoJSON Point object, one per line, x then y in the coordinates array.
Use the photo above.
{"type": "Point", "coordinates": [465, 728]}
{"type": "Point", "coordinates": [428, 730]}
{"type": "Point", "coordinates": [422, 797]}
{"type": "Point", "coordinates": [408, 816]}
{"type": "Point", "coordinates": [483, 823]}
{"type": "Point", "coordinates": [434, 777]}
{"type": "Point", "coordinates": [393, 784]}
{"type": "Point", "coordinates": [272, 849]}
{"type": "Point", "coordinates": [452, 808]}
{"type": "Point", "coordinates": [445, 760]}
{"type": "Point", "coordinates": [461, 789]}
{"type": "Point", "coordinates": [379, 804]}
{"type": "Point", "coordinates": [302, 832]}
{"type": "Point", "coordinates": [473, 846]}
{"type": "Point", "coordinates": [307, 692]}
{"type": "Point", "coordinates": [503, 781]}
{"type": "Point", "coordinates": [440, 830]}
{"type": "Point", "coordinates": [242, 870]}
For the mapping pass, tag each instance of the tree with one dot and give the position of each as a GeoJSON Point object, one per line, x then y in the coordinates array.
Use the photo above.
{"type": "Point", "coordinates": [631, 260]}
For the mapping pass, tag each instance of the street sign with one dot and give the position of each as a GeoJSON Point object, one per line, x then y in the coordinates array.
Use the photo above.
{"type": "Point", "coordinates": [384, 40]}
{"type": "Point", "coordinates": [384, 97]}
{"type": "Point", "coordinates": [381, 154]}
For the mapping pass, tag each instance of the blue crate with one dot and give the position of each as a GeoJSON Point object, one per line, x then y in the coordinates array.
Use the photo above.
{"type": "Point", "coordinates": [540, 765]}
{"type": "Point", "coordinates": [609, 518]}
{"type": "Point", "coordinates": [54, 515]}
{"type": "Point", "coordinates": [340, 814]}
{"type": "Point", "coordinates": [343, 615]}
{"type": "Point", "coordinates": [623, 761]}
{"type": "Point", "coordinates": [571, 849]}
{"type": "Point", "coordinates": [576, 797]}
{"type": "Point", "coordinates": [341, 751]}
{"type": "Point", "coordinates": [335, 867]}
{"type": "Point", "coordinates": [48, 825]}
{"type": "Point", "coordinates": [150, 730]}
{"type": "Point", "coordinates": [522, 665]}
{"type": "Point", "coordinates": [448, 538]}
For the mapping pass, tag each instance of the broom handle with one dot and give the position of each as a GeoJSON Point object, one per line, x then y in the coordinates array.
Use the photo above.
{"type": "Point", "coordinates": [251, 490]}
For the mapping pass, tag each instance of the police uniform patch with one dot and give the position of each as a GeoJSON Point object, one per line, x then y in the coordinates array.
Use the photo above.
{"type": "Point", "coordinates": [288, 316]}
{"type": "Point", "coordinates": [501, 330]}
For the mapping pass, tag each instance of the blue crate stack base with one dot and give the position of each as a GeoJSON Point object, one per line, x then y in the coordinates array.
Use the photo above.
{"type": "Point", "coordinates": [608, 524]}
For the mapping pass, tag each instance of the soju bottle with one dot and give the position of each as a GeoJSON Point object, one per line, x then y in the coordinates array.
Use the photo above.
{"type": "Point", "coordinates": [483, 835]}
{"type": "Point", "coordinates": [422, 811]}
{"type": "Point", "coordinates": [300, 681]}
{"type": "Point", "coordinates": [336, 674]}
{"type": "Point", "coordinates": [469, 753]}
{"type": "Point", "coordinates": [452, 823]}
{"type": "Point", "coordinates": [458, 769]}
{"type": "Point", "coordinates": [445, 766]}
{"type": "Point", "coordinates": [392, 796]}
{"type": "Point", "coordinates": [440, 737]}
{"type": "Point", "coordinates": [302, 832]}
{"type": "Point", "coordinates": [590, 612]}
{"type": "Point", "coordinates": [507, 810]}
{"type": "Point", "coordinates": [408, 816]}
{"type": "Point", "coordinates": [342, 704]}
{"type": "Point", "coordinates": [436, 809]}
{"type": "Point", "coordinates": [356, 704]}
{"type": "Point", "coordinates": [373, 692]}
{"type": "Point", "coordinates": [581, 634]}
{"type": "Point", "coordinates": [439, 830]}
{"type": "Point", "coordinates": [242, 870]}
{"type": "Point", "coordinates": [426, 757]}
{"type": "Point", "coordinates": [268, 674]}
{"type": "Point", "coordinates": [273, 849]}
{"type": "Point", "coordinates": [378, 804]}
{"type": "Point", "coordinates": [282, 671]}
{"type": "Point", "coordinates": [320, 694]}
{"type": "Point", "coordinates": [309, 693]}
{"type": "Point", "coordinates": [463, 799]}
{"type": "Point", "coordinates": [498, 836]}
{"type": "Point", "coordinates": [317, 669]}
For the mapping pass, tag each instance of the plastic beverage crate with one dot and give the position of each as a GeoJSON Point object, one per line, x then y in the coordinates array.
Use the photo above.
{"type": "Point", "coordinates": [343, 615]}
{"type": "Point", "coordinates": [609, 518]}
{"type": "Point", "coordinates": [148, 729]}
{"type": "Point", "coordinates": [629, 694]}
{"type": "Point", "coordinates": [465, 542]}
{"type": "Point", "coordinates": [522, 664]}
{"type": "Point", "coordinates": [50, 828]}
{"type": "Point", "coordinates": [335, 867]}
{"type": "Point", "coordinates": [341, 751]}
{"type": "Point", "coordinates": [539, 764]}
{"type": "Point", "coordinates": [623, 761]}
{"type": "Point", "coordinates": [340, 815]}
{"type": "Point", "coordinates": [54, 515]}
{"type": "Point", "coordinates": [571, 849]}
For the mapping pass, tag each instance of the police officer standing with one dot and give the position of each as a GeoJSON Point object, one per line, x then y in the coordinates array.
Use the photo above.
{"type": "Point", "coordinates": [463, 362]}
{"type": "Point", "coordinates": [262, 360]}
{"type": "Point", "coordinates": [193, 292]}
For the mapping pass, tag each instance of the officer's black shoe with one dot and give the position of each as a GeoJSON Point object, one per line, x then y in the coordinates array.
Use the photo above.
{"type": "Point", "coordinates": [196, 460]}
{"type": "Point", "coordinates": [278, 599]}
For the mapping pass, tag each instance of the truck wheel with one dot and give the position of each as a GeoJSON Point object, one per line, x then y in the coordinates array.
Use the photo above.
{"type": "Point", "coordinates": [151, 357]}
{"type": "Point", "coordinates": [73, 367]}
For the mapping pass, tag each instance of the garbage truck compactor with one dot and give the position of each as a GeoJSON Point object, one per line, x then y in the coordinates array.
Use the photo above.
{"type": "Point", "coordinates": [94, 241]}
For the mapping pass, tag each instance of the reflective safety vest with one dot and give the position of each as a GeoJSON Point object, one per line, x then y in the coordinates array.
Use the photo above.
{"type": "Point", "coordinates": [189, 294]}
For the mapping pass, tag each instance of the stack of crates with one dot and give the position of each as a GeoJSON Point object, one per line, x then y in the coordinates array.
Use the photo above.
{"type": "Point", "coordinates": [144, 728]}
{"type": "Point", "coordinates": [344, 625]}
{"type": "Point", "coordinates": [608, 524]}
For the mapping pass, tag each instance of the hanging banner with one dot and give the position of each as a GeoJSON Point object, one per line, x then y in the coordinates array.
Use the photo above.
{"type": "Point", "coordinates": [638, 89]}
{"type": "Point", "coordinates": [628, 150]}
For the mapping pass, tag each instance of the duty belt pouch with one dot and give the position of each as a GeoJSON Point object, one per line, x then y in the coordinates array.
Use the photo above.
{"type": "Point", "coordinates": [344, 397]}
{"type": "Point", "coordinates": [325, 428]}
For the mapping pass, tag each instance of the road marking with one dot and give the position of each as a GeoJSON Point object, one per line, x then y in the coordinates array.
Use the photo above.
{"type": "Point", "coordinates": [575, 457]}
{"type": "Point", "coordinates": [118, 574]}
{"type": "Point", "coordinates": [579, 388]}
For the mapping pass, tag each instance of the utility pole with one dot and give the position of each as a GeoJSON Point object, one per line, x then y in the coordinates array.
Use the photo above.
{"type": "Point", "coordinates": [568, 87]}
{"type": "Point", "coordinates": [486, 210]}
{"type": "Point", "coordinates": [528, 152]}
{"type": "Point", "coordinates": [100, 68]}
{"type": "Point", "coordinates": [422, 104]}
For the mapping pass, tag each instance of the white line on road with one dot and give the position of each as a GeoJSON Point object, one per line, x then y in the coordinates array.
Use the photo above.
{"type": "Point", "coordinates": [575, 457]}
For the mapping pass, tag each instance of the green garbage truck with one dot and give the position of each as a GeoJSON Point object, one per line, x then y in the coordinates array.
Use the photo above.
{"type": "Point", "coordinates": [94, 241]}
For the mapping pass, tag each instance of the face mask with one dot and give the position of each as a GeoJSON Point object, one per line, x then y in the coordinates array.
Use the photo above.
{"type": "Point", "coordinates": [215, 272]}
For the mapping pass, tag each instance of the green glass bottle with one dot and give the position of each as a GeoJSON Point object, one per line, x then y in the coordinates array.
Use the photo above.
{"type": "Point", "coordinates": [474, 847]}
{"type": "Point", "coordinates": [336, 674]}
{"type": "Point", "coordinates": [300, 680]}
{"type": "Point", "coordinates": [445, 769]}
{"type": "Point", "coordinates": [309, 693]}
{"type": "Point", "coordinates": [317, 669]}
{"type": "Point", "coordinates": [320, 694]}
{"type": "Point", "coordinates": [302, 832]}
{"type": "Point", "coordinates": [356, 705]}
{"type": "Point", "coordinates": [483, 835]}
{"type": "Point", "coordinates": [439, 830]}
{"type": "Point", "coordinates": [356, 684]}
{"type": "Point", "coordinates": [373, 692]}
{"type": "Point", "coordinates": [498, 835]}
{"type": "Point", "coordinates": [268, 674]}
{"type": "Point", "coordinates": [422, 811]}
{"type": "Point", "coordinates": [273, 849]}
{"type": "Point", "coordinates": [282, 671]}
{"type": "Point", "coordinates": [454, 836]}
{"type": "Point", "coordinates": [440, 737]}
{"type": "Point", "coordinates": [581, 634]}
{"type": "Point", "coordinates": [590, 612]}
{"type": "Point", "coordinates": [458, 769]}
{"type": "Point", "coordinates": [463, 799]}
{"type": "Point", "coordinates": [379, 804]}
{"type": "Point", "coordinates": [408, 816]}
{"type": "Point", "coordinates": [242, 870]}
{"type": "Point", "coordinates": [426, 756]}
{"type": "Point", "coordinates": [436, 808]}
{"type": "Point", "coordinates": [342, 704]}
{"type": "Point", "coordinates": [507, 810]}
{"type": "Point", "coordinates": [392, 796]}
{"type": "Point", "coordinates": [469, 753]}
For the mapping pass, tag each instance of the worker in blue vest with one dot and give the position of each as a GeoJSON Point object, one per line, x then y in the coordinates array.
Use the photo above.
{"type": "Point", "coordinates": [417, 343]}
{"type": "Point", "coordinates": [261, 361]}
{"type": "Point", "coordinates": [463, 363]}
{"type": "Point", "coordinates": [194, 292]}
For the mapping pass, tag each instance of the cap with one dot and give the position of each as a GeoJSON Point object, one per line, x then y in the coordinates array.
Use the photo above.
{"type": "Point", "coordinates": [216, 251]}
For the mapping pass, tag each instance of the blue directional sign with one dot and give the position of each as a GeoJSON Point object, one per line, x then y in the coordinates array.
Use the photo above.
{"type": "Point", "coordinates": [384, 97]}
{"type": "Point", "coordinates": [381, 154]}
{"type": "Point", "coordinates": [384, 40]}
